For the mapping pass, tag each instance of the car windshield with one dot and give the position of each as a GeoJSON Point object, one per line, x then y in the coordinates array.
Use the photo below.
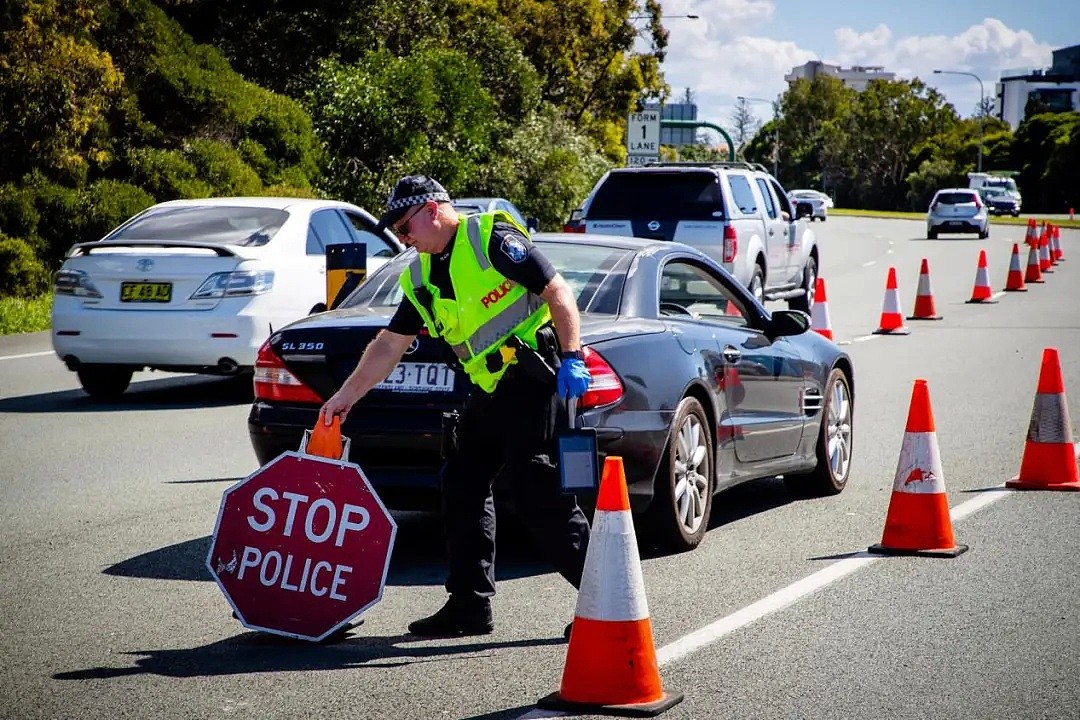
{"type": "Point", "coordinates": [217, 224]}
{"type": "Point", "coordinates": [658, 196]}
{"type": "Point", "coordinates": [595, 273]}
{"type": "Point", "coordinates": [955, 198]}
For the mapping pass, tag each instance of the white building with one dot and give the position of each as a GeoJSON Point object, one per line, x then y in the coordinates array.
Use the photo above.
{"type": "Point", "coordinates": [1053, 89]}
{"type": "Point", "coordinates": [856, 77]}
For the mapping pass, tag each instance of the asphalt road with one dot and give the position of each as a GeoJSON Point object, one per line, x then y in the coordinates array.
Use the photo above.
{"type": "Point", "coordinates": [106, 513]}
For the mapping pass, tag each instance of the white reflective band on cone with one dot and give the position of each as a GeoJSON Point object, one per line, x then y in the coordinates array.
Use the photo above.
{"type": "Point", "coordinates": [612, 549]}
{"type": "Point", "coordinates": [919, 468]}
{"type": "Point", "coordinates": [1050, 419]}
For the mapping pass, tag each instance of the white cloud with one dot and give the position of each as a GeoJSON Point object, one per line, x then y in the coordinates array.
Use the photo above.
{"type": "Point", "coordinates": [728, 52]}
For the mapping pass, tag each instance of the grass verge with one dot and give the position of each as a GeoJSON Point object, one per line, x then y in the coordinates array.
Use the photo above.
{"type": "Point", "coordinates": [900, 215]}
{"type": "Point", "coordinates": [18, 315]}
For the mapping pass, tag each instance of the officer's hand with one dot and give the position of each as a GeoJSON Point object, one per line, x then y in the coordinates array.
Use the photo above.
{"type": "Point", "coordinates": [573, 378]}
{"type": "Point", "coordinates": [339, 404]}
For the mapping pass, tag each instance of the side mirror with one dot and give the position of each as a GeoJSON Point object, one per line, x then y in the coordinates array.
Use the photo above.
{"type": "Point", "coordinates": [532, 224]}
{"type": "Point", "coordinates": [803, 209]}
{"type": "Point", "coordinates": [785, 323]}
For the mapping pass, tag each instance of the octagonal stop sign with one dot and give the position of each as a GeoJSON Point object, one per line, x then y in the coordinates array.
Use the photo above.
{"type": "Point", "coordinates": [301, 546]}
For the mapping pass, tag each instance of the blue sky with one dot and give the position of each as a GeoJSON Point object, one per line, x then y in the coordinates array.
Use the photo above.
{"type": "Point", "coordinates": [745, 47]}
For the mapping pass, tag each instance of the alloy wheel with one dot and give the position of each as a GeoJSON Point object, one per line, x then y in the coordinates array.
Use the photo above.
{"type": "Point", "coordinates": [691, 474]}
{"type": "Point", "coordinates": [838, 437]}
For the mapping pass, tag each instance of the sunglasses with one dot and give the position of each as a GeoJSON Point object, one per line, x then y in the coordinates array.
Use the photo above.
{"type": "Point", "coordinates": [401, 230]}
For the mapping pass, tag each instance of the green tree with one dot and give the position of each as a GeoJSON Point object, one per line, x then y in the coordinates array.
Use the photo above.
{"type": "Point", "coordinates": [56, 89]}
{"type": "Point", "coordinates": [387, 116]}
{"type": "Point", "coordinates": [872, 149]}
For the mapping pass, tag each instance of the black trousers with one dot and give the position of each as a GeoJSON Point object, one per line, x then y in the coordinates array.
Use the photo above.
{"type": "Point", "coordinates": [511, 431]}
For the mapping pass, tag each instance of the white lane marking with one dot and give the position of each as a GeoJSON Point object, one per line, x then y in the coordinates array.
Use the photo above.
{"type": "Point", "coordinates": [788, 596]}
{"type": "Point", "coordinates": [997, 295]}
{"type": "Point", "coordinates": [800, 589]}
{"type": "Point", "coordinates": [25, 355]}
{"type": "Point", "coordinates": [864, 338]}
{"type": "Point", "coordinates": [869, 263]}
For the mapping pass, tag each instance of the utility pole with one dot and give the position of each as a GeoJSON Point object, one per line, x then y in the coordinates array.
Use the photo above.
{"type": "Point", "coordinates": [982, 105]}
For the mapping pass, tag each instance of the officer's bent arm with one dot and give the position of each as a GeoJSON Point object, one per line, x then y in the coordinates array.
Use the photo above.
{"type": "Point", "coordinates": [380, 357]}
{"type": "Point", "coordinates": [564, 313]}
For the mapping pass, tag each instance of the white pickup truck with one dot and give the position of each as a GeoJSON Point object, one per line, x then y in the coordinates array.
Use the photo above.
{"type": "Point", "coordinates": [735, 212]}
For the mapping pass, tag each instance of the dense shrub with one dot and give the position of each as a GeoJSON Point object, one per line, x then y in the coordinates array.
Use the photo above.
{"type": "Point", "coordinates": [21, 273]}
{"type": "Point", "coordinates": [107, 203]}
{"type": "Point", "coordinates": [222, 167]}
{"type": "Point", "coordinates": [166, 174]}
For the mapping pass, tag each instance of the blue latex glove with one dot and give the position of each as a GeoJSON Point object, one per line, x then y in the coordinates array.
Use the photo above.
{"type": "Point", "coordinates": [573, 378]}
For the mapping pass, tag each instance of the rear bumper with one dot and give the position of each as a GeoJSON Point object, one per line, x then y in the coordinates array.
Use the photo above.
{"type": "Point", "coordinates": [957, 225]}
{"type": "Point", "coordinates": [176, 338]}
{"type": "Point", "coordinates": [404, 467]}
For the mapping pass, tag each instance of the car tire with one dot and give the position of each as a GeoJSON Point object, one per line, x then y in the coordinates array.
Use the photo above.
{"type": "Point", "coordinates": [806, 302]}
{"type": "Point", "coordinates": [833, 447]}
{"type": "Point", "coordinates": [983, 234]}
{"type": "Point", "coordinates": [679, 513]}
{"type": "Point", "coordinates": [757, 283]}
{"type": "Point", "coordinates": [931, 235]}
{"type": "Point", "coordinates": [104, 382]}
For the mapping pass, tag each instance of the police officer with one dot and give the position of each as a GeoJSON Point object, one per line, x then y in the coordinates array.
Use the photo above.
{"type": "Point", "coordinates": [480, 284]}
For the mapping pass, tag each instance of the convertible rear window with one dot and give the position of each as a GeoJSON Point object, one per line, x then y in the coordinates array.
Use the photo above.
{"type": "Point", "coordinates": [221, 225]}
{"type": "Point", "coordinates": [658, 196]}
{"type": "Point", "coordinates": [956, 198]}
{"type": "Point", "coordinates": [595, 273]}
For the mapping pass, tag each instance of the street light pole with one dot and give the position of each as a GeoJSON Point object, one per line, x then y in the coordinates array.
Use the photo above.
{"type": "Point", "coordinates": [982, 105]}
{"type": "Point", "coordinates": [776, 130]}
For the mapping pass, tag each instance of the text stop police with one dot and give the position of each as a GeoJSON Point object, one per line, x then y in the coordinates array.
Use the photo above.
{"type": "Point", "coordinates": [320, 521]}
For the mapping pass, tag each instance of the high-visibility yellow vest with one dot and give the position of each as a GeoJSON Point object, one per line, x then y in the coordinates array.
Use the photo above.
{"type": "Point", "coordinates": [487, 308]}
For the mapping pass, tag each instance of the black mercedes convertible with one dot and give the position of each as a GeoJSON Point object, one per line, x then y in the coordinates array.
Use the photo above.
{"type": "Point", "coordinates": [694, 383]}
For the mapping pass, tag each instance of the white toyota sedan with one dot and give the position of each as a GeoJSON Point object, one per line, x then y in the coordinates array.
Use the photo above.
{"type": "Point", "coordinates": [198, 285]}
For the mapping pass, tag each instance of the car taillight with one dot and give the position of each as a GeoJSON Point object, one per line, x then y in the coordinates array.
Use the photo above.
{"type": "Point", "coordinates": [569, 228]}
{"type": "Point", "coordinates": [978, 205]}
{"type": "Point", "coordinates": [605, 386]}
{"type": "Point", "coordinates": [274, 382]}
{"type": "Point", "coordinates": [731, 244]}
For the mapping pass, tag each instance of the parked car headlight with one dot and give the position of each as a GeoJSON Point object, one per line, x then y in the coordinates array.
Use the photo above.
{"type": "Point", "coordinates": [234, 284]}
{"type": "Point", "coordinates": [74, 282]}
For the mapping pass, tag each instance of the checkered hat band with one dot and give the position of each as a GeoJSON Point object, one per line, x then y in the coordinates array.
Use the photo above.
{"type": "Point", "coordinates": [417, 200]}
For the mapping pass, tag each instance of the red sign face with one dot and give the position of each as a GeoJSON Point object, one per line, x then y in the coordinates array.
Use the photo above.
{"type": "Point", "coordinates": [301, 546]}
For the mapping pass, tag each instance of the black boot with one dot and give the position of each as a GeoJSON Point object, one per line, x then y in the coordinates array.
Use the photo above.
{"type": "Point", "coordinates": [471, 616]}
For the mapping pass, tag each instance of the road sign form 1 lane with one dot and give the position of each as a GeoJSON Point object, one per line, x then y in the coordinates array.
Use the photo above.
{"type": "Point", "coordinates": [643, 133]}
{"type": "Point", "coordinates": [301, 546]}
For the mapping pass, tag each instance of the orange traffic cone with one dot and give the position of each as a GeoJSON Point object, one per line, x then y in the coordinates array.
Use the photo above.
{"type": "Point", "coordinates": [1051, 244]}
{"type": "Point", "coordinates": [1058, 255]}
{"type": "Point", "coordinates": [982, 292]}
{"type": "Point", "coordinates": [1044, 252]}
{"type": "Point", "coordinates": [1031, 239]}
{"type": "Point", "coordinates": [611, 663]}
{"type": "Point", "coordinates": [1033, 274]}
{"type": "Point", "coordinates": [924, 296]}
{"type": "Point", "coordinates": [820, 322]}
{"type": "Point", "coordinates": [918, 521]}
{"type": "Point", "coordinates": [892, 318]}
{"type": "Point", "coordinates": [1015, 281]}
{"type": "Point", "coordinates": [1050, 457]}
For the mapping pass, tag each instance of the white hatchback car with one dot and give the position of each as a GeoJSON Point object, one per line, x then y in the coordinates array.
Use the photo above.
{"type": "Point", "coordinates": [198, 285]}
{"type": "Point", "coordinates": [957, 210]}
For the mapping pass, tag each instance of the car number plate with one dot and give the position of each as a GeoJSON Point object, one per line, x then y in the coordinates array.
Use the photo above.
{"type": "Point", "coordinates": [145, 292]}
{"type": "Point", "coordinates": [415, 377]}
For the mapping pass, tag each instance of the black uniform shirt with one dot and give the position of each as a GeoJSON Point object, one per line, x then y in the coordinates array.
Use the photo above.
{"type": "Point", "coordinates": [511, 253]}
